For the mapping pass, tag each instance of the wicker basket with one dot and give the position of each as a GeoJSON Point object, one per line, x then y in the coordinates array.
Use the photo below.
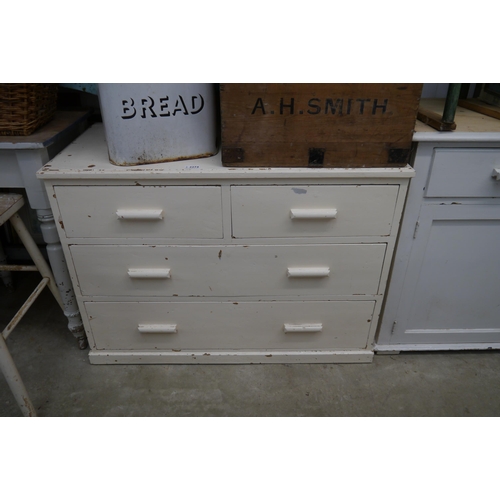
{"type": "Point", "coordinates": [25, 107]}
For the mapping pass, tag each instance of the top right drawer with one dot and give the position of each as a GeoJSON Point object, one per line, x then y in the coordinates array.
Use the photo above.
{"type": "Point", "coordinates": [313, 211]}
{"type": "Point", "coordinates": [464, 172]}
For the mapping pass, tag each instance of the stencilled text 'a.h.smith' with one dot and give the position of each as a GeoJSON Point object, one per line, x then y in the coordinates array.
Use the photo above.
{"type": "Point", "coordinates": [316, 106]}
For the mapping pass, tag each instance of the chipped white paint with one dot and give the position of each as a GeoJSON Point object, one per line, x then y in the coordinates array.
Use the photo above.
{"type": "Point", "coordinates": [240, 267]}
{"type": "Point", "coordinates": [228, 270]}
{"type": "Point", "coordinates": [187, 211]}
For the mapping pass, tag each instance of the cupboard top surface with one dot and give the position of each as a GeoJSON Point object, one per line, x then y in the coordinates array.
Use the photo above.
{"type": "Point", "coordinates": [471, 126]}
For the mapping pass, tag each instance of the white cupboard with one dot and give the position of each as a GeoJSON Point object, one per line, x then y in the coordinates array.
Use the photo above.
{"type": "Point", "coordinates": [444, 291]}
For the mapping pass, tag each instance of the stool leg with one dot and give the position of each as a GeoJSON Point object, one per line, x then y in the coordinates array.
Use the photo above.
{"type": "Point", "coordinates": [36, 255]}
{"type": "Point", "coordinates": [13, 378]}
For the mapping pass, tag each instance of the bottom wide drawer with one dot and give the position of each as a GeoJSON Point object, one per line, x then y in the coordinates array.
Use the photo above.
{"type": "Point", "coordinates": [230, 325]}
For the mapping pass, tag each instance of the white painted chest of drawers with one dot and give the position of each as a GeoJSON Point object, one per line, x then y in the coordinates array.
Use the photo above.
{"type": "Point", "coordinates": [192, 262]}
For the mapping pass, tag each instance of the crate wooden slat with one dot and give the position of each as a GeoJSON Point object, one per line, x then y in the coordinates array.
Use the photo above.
{"type": "Point", "coordinates": [317, 125]}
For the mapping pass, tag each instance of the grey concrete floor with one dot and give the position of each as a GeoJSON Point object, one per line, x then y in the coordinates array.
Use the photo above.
{"type": "Point", "coordinates": [62, 382]}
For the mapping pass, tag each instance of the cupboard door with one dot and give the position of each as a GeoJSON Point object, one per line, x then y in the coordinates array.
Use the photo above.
{"type": "Point", "coordinates": [451, 291]}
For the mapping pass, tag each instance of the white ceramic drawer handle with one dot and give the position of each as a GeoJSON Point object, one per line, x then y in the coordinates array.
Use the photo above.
{"type": "Point", "coordinates": [496, 174]}
{"type": "Point", "coordinates": [308, 272]}
{"type": "Point", "coordinates": [130, 214]}
{"type": "Point", "coordinates": [150, 273]}
{"type": "Point", "coordinates": [305, 327]}
{"type": "Point", "coordinates": [313, 213]}
{"type": "Point", "coordinates": [157, 328]}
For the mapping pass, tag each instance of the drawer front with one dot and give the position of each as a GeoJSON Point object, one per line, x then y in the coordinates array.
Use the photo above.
{"type": "Point", "coordinates": [243, 325]}
{"type": "Point", "coordinates": [312, 211]}
{"type": "Point", "coordinates": [137, 211]}
{"type": "Point", "coordinates": [464, 172]}
{"type": "Point", "coordinates": [227, 271]}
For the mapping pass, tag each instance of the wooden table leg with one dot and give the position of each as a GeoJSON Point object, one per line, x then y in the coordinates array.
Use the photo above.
{"type": "Point", "coordinates": [29, 161]}
{"type": "Point", "coordinates": [63, 281]}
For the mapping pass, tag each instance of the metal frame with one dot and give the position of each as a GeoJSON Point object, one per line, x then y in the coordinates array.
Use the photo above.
{"type": "Point", "coordinates": [446, 120]}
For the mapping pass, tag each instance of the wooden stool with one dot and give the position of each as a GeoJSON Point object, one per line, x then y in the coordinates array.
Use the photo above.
{"type": "Point", "coordinates": [9, 206]}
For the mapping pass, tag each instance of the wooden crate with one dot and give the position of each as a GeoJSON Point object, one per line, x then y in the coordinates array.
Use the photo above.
{"type": "Point", "coordinates": [318, 125]}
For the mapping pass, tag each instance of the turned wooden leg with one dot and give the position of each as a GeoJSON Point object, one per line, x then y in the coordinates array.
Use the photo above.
{"type": "Point", "coordinates": [63, 281]}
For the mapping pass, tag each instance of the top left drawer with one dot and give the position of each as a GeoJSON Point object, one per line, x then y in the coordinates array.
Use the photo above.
{"type": "Point", "coordinates": [140, 211]}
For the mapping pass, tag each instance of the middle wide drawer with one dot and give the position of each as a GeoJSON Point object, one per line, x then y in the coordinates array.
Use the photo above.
{"type": "Point", "coordinates": [226, 271]}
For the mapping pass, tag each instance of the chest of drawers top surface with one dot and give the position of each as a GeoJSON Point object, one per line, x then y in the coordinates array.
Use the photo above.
{"type": "Point", "coordinates": [87, 158]}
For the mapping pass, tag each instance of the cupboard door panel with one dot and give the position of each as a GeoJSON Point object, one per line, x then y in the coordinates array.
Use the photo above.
{"type": "Point", "coordinates": [452, 286]}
